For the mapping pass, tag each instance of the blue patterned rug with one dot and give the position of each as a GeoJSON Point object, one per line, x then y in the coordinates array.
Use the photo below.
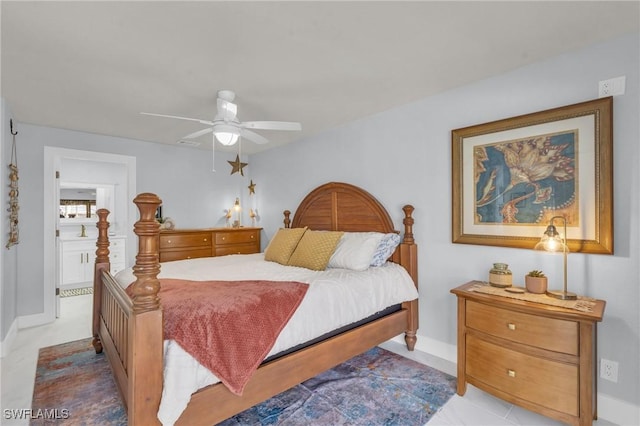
{"type": "Point", "coordinates": [376, 388]}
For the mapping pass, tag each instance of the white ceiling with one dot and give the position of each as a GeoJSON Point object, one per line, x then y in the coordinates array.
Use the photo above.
{"type": "Point", "coordinates": [93, 66]}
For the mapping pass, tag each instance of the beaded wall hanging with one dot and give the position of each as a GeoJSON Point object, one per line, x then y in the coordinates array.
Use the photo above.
{"type": "Point", "coordinates": [13, 192]}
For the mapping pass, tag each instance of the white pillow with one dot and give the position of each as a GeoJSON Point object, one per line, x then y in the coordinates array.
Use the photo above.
{"type": "Point", "coordinates": [387, 246]}
{"type": "Point", "coordinates": [355, 250]}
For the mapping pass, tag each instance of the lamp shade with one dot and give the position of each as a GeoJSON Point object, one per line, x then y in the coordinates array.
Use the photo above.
{"type": "Point", "coordinates": [551, 241]}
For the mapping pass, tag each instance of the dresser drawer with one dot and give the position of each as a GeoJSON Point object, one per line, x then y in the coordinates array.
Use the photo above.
{"type": "Point", "coordinates": [236, 237]}
{"type": "Point", "coordinates": [547, 333]}
{"type": "Point", "coordinates": [168, 256]}
{"type": "Point", "coordinates": [196, 239]}
{"type": "Point", "coordinates": [237, 249]}
{"type": "Point", "coordinates": [541, 381]}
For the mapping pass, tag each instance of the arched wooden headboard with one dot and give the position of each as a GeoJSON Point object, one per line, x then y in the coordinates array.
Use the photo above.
{"type": "Point", "coordinates": [338, 206]}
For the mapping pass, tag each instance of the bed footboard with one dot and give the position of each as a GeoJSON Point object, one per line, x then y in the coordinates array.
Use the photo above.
{"type": "Point", "coordinates": [129, 329]}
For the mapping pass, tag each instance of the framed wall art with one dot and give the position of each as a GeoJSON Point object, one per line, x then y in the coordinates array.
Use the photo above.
{"type": "Point", "coordinates": [511, 176]}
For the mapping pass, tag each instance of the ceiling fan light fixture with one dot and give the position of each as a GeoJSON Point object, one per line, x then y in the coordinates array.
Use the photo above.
{"type": "Point", "coordinates": [226, 138]}
{"type": "Point", "coordinates": [226, 134]}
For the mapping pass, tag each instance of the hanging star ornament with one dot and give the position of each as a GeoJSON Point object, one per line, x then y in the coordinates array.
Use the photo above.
{"type": "Point", "coordinates": [252, 187]}
{"type": "Point", "coordinates": [237, 165]}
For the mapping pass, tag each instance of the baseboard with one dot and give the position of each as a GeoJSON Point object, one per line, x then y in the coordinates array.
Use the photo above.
{"type": "Point", "coordinates": [618, 412]}
{"type": "Point", "coordinates": [433, 347]}
{"type": "Point", "coordinates": [610, 409]}
{"type": "Point", "coordinates": [7, 342]}
{"type": "Point", "coordinates": [34, 320]}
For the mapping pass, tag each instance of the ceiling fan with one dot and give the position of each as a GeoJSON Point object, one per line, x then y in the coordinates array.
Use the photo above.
{"type": "Point", "coordinates": [227, 128]}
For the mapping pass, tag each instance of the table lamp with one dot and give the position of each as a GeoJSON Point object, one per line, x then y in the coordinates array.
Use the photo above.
{"type": "Point", "coordinates": [553, 242]}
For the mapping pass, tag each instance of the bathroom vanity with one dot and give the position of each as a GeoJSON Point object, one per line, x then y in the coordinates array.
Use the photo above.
{"type": "Point", "coordinates": [77, 258]}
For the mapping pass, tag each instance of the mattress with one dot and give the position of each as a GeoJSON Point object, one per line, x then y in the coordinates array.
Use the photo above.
{"type": "Point", "coordinates": [335, 298]}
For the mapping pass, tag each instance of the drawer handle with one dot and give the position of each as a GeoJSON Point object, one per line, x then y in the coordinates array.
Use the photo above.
{"type": "Point", "coordinates": [224, 238]}
{"type": "Point", "coordinates": [204, 240]}
{"type": "Point", "coordinates": [511, 373]}
{"type": "Point", "coordinates": [252, 237]}
{"type": "Point", "coordinates": [169, 241]}
{"type": "Point", "coordinates": [511, 326]}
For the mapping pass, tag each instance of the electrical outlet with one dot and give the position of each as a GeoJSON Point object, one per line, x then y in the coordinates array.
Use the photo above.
{"type": "Point", "coordinates": [609, 370]}
{"type": "Point", "coordinates": [611, 87]}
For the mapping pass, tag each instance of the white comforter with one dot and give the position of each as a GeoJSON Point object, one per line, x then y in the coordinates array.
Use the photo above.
{"type": "Point", "coordinates": [336, 297]}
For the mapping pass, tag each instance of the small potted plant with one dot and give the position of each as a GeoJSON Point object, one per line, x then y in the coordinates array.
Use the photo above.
{"type": "Point", "coordinates": [536, 282]}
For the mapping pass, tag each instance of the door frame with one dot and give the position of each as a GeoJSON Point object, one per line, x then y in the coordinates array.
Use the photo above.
{"type": "Point", "coordinates": [52, 161]}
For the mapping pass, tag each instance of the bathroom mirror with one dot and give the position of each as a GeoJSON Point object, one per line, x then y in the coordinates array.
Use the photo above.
{"type": "Point", "coordinates": [80, 201]}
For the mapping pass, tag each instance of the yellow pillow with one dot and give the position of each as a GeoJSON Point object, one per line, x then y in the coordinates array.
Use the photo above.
{"type": "Point", "coordinates": [315, 249]}
{"type": "Point", "coordinates": [283, 244]}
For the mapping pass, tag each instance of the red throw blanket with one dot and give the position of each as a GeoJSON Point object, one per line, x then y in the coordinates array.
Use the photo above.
{"type": "Point", "coordinates": [228, 326]}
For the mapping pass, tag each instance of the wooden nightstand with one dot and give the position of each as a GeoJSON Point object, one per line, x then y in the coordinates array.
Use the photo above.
{"type": "Point", "coordinates": [193, 243]}
{"type": "Point", "coordinates": [537, 356]}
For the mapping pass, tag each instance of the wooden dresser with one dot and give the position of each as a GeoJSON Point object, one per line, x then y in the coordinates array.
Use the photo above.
{"type": "Point", "coordinates": [537, 356]}
{"type": "Point", "coordinates": [178, 244]}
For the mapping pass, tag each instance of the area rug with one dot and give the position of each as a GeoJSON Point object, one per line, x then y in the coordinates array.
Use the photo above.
{"type": "Point", "coordinates": [74, 386]}
{"type": "Point", "coordinates": [378, 387]}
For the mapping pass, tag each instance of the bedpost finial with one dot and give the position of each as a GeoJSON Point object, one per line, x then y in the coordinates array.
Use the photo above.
{"type": "Point", "coordinates": [145, 289]}
{"type": "Point", "coordinates": [287, 220]}
{"type": "Point", "coordinates": [408, 224]}
{"type": "Point", "coordinates": [102, 243]}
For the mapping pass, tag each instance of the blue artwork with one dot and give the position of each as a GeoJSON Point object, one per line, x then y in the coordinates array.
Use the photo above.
{"type": "Point", "coordinates": [522, 181]}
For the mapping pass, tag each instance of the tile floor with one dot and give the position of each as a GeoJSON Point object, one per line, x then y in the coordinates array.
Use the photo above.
{"type": "Point", "coordinates": [17, 372]}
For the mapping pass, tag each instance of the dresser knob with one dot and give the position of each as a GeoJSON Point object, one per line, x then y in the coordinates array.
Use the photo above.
{"type": "Point", "coordinates": [205, 240]}
{"type": "Point", "coordinates": [252, 237]}
{"type": "Point", "coordinates": [511, 326]}
{"type": "Point", "coordinates": [169, 241]}
{"type": "Point", "coordinates": [511, 373]}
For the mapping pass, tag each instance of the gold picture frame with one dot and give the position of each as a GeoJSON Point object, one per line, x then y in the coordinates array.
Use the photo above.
{"type": "Point", "coordinates": [511, 176]}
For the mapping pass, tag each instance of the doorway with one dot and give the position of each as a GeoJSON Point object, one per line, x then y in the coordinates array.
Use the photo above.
{"type": "Point", "coordinates": [113, 173]}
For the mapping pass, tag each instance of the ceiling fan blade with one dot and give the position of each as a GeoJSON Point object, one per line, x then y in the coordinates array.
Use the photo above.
{"type": "Point", "coordinates": [198, 133]}
{"type": "Point", "coordinates": [253, 137]}
{"type": "Point", "coordinates": [271, 125]}
{"type": "Point", "coordinates": [209, 123]}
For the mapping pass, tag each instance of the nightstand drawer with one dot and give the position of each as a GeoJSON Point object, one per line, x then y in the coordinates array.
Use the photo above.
{"type": "Point", "coordinates": [541, 381]}
{"type": "Point", "coordinates": [236, 237]}
{"type": "Point", "coordinates": [202, 239]}
{"type": "Point", "coordinates": [547, 333]}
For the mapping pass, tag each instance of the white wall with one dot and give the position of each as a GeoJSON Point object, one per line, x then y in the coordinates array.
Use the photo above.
{"type": "Point", "coordinates": [404, 156]}
{"type": "Point", "coordinates": [192, 194]}
{"type": "Point", "coordinates": [8, 257]}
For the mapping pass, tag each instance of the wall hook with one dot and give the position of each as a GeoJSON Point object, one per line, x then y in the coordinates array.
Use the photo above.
{"type": "Point", "coordinates": [11, 125]}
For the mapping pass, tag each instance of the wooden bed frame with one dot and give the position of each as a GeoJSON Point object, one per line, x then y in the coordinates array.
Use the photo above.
{"type": "Point", "coordinates": [130, 330]}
